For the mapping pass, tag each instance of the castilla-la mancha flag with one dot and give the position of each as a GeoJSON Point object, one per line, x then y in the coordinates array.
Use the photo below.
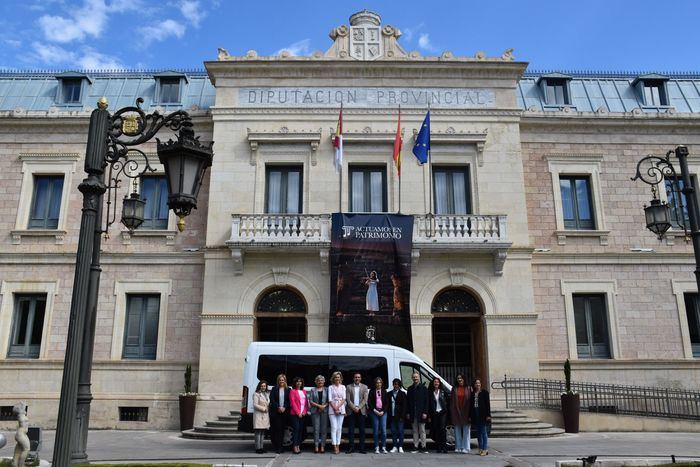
{"type": "Point", "coordinates": [338, 143]}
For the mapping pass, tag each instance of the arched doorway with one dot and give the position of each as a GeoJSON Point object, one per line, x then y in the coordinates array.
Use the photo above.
{"type": "Point", "coordinates": [280, 316]}
{"type": "Point", "coordinates": [458, 336]}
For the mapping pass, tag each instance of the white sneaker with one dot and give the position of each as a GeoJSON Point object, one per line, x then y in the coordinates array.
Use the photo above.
{"type": "Point", "coordinates": [394, 450]}
{"type": "Point", "coordinates": [401, 450]}
{"type": "Point", "coordinates": [376, 450]}
{"type": "Point", "coordinates": [458, 450]}
{"type": "Point", "coordinates": [384, 451]}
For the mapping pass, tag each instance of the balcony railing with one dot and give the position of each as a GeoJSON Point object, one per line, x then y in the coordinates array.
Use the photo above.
{"type": "Point", "coordinates": [280, 228]}
{"type": "Point", "coordinates": [315, 228]}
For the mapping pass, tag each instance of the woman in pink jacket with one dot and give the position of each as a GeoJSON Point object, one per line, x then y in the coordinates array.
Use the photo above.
{"type": "Point", "coordinates": [299, 408]}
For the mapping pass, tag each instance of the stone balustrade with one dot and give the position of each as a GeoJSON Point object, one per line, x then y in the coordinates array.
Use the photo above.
{"type": "Point", "coordinates": [316, 228]}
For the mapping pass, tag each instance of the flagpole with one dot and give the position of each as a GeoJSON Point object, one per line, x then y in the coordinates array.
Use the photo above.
{"type": "Point", "coordinates": [430, 182]}
{"type": "Point", "coordinates": [399, 166]}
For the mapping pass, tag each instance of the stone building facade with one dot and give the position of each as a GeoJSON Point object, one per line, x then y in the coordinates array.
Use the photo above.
{"type": "Point", "coordinates": [537, 251]}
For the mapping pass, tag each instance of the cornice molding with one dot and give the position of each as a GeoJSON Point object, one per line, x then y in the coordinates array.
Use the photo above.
{"type": "Point", "coordinates": [419, 67]}
{"type": "Point", "coordinates": [550, 258]}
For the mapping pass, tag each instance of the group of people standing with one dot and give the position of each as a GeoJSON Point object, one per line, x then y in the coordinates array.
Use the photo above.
{"type": "Point", "coordinates": [418, 406]}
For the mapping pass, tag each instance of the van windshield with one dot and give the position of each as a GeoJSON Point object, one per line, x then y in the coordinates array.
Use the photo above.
{"type": "Point", "coordinates": [310, 366]}
{"type": "Point", "coordinates": [407, 370]}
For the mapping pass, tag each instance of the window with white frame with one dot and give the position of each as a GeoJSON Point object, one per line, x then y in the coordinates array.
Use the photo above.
{"type": "Point", "coordinates": [283, 192]}
{"type": "Point", "coordinates": [44, 195]}
{"type": "Point", "coordinates": [27, 326]}
{"type": "Point", "coordinates": [25, 318]}
{"type": "Point", "coordinates": [591, 318]}
{"type": "Point", "coordinates": [451, 190]}
{"type": "Point", "coordinates": [578, 203]}
{"type": "Point", "coordinates": [368, 188]}
{"type": "Point", "coordinates": [140, 318]}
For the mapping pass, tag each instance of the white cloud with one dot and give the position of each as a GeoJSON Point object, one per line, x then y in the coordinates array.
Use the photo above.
{"type": "Point", "coordinates": [192, 11]}
{"type": "Point", "coordinates": [91, 59]}
{"type": "Point", "coordinates": [163, 30]}
{"type": "Point", "coordinates": [408, 33]}
{"type": "Point", "coordinates": [425, 44]}
{"type": "Point", "coordinates": [302, 47]}
{"type": "Point", "coordinates": [88, 20]}
{"type": "Point", "coordinates": [122, 6]}
{"type": "Point", "coordinates": [12, 42]}
{"type": "Point", "coordinates": [85, 58]}
{"type": "Point", "coordinates": [49, 54]}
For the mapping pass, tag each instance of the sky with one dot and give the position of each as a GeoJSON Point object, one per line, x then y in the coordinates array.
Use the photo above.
{"type": "Point", "coordinates": [566, 35]}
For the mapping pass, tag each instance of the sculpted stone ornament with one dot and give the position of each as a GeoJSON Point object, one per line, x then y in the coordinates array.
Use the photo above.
{"type": "Point", "coordinates": [22, 446]}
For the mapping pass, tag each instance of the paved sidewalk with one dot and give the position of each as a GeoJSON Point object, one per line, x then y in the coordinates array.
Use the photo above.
{"type": "Point", "coordinates": [120, 446]}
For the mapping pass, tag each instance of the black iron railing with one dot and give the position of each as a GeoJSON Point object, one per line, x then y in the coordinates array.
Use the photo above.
{"type": "Point", "coordinates": [603, 398]}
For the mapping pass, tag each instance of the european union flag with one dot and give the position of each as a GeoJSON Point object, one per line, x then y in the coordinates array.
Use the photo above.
{"type": "Point", "coordinates": [422, 146]}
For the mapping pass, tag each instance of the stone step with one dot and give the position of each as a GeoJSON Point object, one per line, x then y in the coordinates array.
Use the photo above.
{"type": "Point", "coordinates": [194, 434]}
{"type": "Point", "coordinates": [222, 424]}
{"type": "Point", "coordinates": [235, 413]}
{"type": "Point", "coordinates": [513, 421]}
{"type": "Point", "coordinates": [229, 418]}
{"type": "Point", "coordinates": [537, 433]}
{"type": "Point", "coordinates": [536, 425]}
{"type": "Point", "coordinates": [216, 429]}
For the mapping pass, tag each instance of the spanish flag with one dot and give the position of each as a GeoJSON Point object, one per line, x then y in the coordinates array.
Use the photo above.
{"type": "Point", "coordinates": [397, 146]}
{"type": "Point", "coordinates": [338, 143]}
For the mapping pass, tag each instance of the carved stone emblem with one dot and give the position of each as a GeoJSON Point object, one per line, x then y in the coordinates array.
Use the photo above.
{"type": "Point", "coordinates": [365, 42]}
{"type": "Point", "coordinates": [371, 334]}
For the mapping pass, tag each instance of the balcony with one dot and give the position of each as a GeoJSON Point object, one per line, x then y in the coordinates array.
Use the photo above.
{"type": "Point", "coordinates": [436, 233]}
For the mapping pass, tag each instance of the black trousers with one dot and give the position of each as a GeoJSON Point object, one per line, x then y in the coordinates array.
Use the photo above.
{"type": "Point", "coordinates": [278, 422]}
{"type": "Point", "coordinates": [356, 419]}
{"type": "Point", "coordinates": [437, 429]}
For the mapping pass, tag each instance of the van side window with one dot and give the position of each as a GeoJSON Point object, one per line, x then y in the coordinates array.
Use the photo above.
{"type": "Point", "coordinates": [269, 366]}
{"type": "Point", "coordinates": [309, 366]}
{"type": "Point", "coordinates": [368, 367]}
{"type": "Point", "coordinates": [407, 370]}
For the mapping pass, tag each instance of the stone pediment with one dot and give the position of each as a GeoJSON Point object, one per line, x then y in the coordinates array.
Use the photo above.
{"type": "Point", "coordinates": [365, 39]}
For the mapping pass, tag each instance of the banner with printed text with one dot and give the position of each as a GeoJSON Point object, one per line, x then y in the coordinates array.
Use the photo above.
{"type": "Point", "coordinates": [370, 279]}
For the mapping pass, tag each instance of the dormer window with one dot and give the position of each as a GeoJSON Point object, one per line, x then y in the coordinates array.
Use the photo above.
{"type": "Point", "coordinates": [652, 90]}
{"type": "Point", "coordinates": [72, 87]}
{"type": "Point", "coordinates": [555, 89]}
{"type": "Point", "coordinates": [71, 91]}
{"type": "Point", "coordinates": [170, 87]}
{"type": "Point", "coordinates": [655, 94]}
{"type": "Point", "coordinates": [170, 90]}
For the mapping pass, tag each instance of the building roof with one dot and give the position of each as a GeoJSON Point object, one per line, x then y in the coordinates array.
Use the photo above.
{"type": "Point", "coordinates": [612, 92]}
{"type": "Point", "coordinates": [589, 91]}
{"type": "Point", "coordinates": [37, 91]}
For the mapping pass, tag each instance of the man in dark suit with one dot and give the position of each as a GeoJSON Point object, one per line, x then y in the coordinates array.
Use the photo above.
{"type": "Point", "coordinates": [417, 412]}
{"type": "Point", "coordinates": [279, 412]}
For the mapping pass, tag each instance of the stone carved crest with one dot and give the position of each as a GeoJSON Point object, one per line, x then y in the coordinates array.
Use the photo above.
{"type": "Point", "coordinates": [365, 42]}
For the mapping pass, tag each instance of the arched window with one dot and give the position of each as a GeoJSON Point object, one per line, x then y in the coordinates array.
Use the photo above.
{"type": "Point", "coordinates": [281, 316]}
{"type": "Point", "coordinates": [457, 337]}
{"type": "Point", "coordinates": [454, 301]}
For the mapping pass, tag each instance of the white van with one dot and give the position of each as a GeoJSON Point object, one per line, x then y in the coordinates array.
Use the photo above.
{"type": "Point", "coordinates": [266, 360]}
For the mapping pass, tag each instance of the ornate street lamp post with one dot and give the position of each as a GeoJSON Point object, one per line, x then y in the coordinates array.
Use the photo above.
{"type": "Point", "coordinates": [654, 170]}
{"type": "Point", "coordinates": [111, 141]}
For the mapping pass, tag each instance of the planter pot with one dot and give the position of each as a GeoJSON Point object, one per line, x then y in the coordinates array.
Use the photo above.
{"type": "Point", "coordinates": [570, 408]}
{"type": "Point", "coordinates": [187, 407]}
